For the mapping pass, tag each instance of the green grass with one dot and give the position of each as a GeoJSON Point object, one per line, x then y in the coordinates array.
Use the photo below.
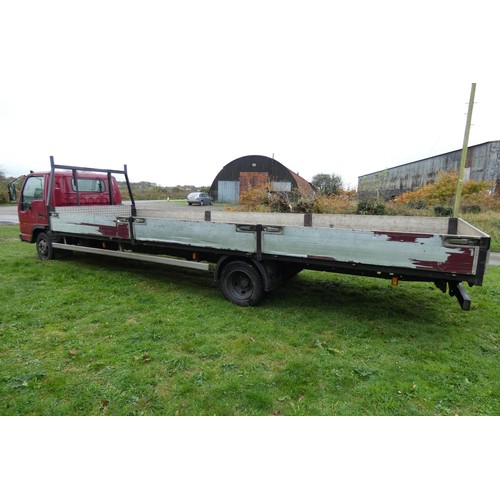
{"type": "Point", "coordinates": [489, 222]}
{"type": "Point", "coordinates": [84, 336]}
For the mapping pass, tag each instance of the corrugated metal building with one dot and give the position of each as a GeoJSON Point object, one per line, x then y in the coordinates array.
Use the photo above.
{"type": "Point", "coordinates": [253, 171]}
{"type": "Point", "coordinates": [483, 164]}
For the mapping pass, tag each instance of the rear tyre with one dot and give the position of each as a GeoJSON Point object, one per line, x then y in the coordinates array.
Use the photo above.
{"type": "Point", "coordinates": [242, 284]}
{"type": "Point", "coordinates": [44, 247]}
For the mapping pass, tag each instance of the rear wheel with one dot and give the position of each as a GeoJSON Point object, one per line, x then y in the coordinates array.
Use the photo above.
{"type": "Point", "coordinates": [242, 284]}
{"type": "Point", "coordinates": [44, 247]}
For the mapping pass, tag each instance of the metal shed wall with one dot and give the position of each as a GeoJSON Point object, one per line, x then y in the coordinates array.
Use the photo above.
{"type": "Point", "coordinates": [228, 191]}
{"type": "Point", "coordinates": [483, 164]}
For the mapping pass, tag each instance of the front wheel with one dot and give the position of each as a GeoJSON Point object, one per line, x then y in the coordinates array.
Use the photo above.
{"type": "Point", "coordinates": [44, 247]}
{"type": "Point", "coordinates": [242, 284]}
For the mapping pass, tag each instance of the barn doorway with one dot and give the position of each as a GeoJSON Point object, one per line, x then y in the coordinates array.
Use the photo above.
{"type": "Point", "coordinates": [252, 180]}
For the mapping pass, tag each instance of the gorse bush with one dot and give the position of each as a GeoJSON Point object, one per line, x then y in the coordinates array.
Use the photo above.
{"type": "Point", "coordinates": [342, 203]}
{"type": "Point", "coordinates": [255, 199]}
{"type": "Point", "coordinates": [262, 199]}
{"type": "Point", "coordinates": [371, 207]}
{"type": "Point", "coordinates": [442, 193]}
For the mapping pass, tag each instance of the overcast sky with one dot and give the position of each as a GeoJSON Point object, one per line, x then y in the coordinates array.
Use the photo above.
{"type": "Point", "coordinates": [177, 90]}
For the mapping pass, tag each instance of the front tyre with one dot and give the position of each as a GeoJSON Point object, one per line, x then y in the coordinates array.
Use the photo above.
{"type": "Point", "coordinates": [242, 284]}
{"type": "Point", "coordinates": [44, 247]}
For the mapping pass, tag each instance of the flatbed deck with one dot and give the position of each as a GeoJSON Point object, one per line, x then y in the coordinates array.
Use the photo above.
{"type": "Point", "coordinates": [432, 244]}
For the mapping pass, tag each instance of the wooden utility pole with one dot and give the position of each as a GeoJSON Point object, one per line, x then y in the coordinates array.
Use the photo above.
{"type": "Point", "coordinates": [463, 159]}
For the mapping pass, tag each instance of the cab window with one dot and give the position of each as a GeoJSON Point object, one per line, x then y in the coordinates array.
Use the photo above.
{"type": "Point", "coordinates": [89, 185]}
{"type": "Point", "coordinates": [33, 190]}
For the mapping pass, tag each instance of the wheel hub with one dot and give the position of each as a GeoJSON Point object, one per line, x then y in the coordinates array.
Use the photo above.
{"type": "Point", "coordinates": [42, 247]}
{"type": "Point", "coordinates": [242, 284]}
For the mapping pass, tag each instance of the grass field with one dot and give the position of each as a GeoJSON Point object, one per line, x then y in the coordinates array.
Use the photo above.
{"type": "Point", "coordinates": [489, 222]}
{"type": "Point", "coordinates": [84, 336]}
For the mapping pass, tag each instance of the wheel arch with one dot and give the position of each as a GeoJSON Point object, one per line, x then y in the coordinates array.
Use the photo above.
{"type": "Point", "coordinates": [36, 231]}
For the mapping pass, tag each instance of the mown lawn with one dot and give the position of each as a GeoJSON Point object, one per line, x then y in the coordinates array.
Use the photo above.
{"type": "Point", "coordinates": [84, 336]}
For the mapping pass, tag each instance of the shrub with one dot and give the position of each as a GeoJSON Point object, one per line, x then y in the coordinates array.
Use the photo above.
{"type": "Point", "coordinates": [343, 203]}
{"type": "Point", "coordinates": [371, 207]}
{"type": "Point", "coordinates": [441, 193]}
{"type": "Point", "coordinates": [306, 204]}
{"type": "Point", "coordinates": [417, 205]}
{"type": "Point", "coordinates": [279, 202]}
{"type": "Point", "coordinates": [3, 193]}
{"type": "Point", "coordinates": [486, 200]}
{"type": "Point", "coordinates": [471, 209]}
{"type": "Point", "coordinates": [255, 199]}
{"type": "Point", "coordinates": [441, 211]}
{"type": "Point", "coordinates": [261, 199]}
{"type": "Point", "coordinates": [3, 189]}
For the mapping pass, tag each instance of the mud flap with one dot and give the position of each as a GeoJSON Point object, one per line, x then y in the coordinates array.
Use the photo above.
{"type": "Point", "coordinates": [457, 290]}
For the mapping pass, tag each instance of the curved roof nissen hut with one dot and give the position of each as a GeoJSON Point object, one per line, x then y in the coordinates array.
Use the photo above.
{"type": "Point", "coordinates": [254, 171]}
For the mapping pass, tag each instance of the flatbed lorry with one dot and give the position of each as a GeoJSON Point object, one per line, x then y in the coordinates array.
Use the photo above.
{"type": "Point", "coordinates": [76, 209]}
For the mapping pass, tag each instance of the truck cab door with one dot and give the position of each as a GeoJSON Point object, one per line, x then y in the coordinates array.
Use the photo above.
{"type": "Point", "coordinates": [32, 207]}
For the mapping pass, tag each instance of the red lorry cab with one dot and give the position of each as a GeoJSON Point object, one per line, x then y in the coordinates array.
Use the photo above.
{"type": "Point", "coordinates": [67, 189]}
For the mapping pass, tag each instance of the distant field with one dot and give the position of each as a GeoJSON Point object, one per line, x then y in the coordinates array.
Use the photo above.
{"type": "Point", "coordinates": [488, 222]}
{"type": "Point", "coordinates": [84, 336]}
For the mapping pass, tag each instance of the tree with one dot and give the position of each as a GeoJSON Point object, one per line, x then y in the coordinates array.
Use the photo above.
{"type": "Point", "coordinates": [3, 188]}
{"type": "Point", "coordinates": [328, 184]}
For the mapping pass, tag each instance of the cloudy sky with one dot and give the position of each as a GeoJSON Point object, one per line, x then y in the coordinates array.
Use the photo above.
{"type": "Point", "coordinates": [178, 89]}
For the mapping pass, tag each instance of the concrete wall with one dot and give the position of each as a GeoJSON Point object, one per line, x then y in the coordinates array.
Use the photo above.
{"type": "Point", "coordinates": [483, 164]}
